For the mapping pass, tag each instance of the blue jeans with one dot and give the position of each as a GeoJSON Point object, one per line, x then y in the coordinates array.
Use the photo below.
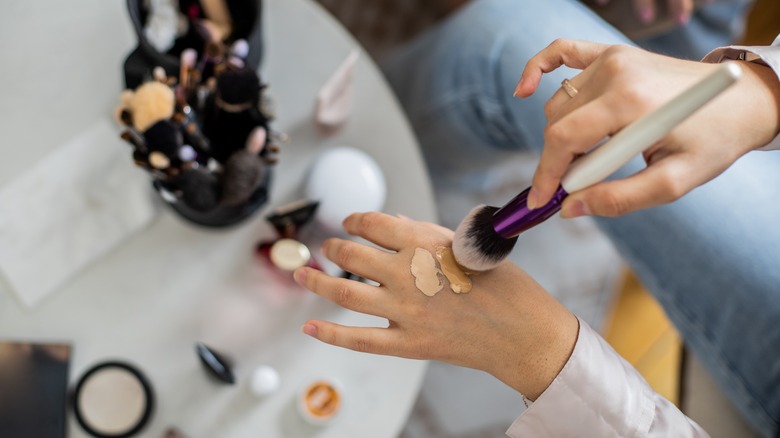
{"type": "Point", "coordinates": [712, 258]}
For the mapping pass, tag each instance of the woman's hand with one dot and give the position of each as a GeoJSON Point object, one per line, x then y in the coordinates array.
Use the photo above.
{"type": "Point", "coordinates": [507, 325]}
{"type": "Point", "coordinates": [618, 85]}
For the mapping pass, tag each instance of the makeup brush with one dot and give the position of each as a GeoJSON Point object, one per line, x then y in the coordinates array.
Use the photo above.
{"type": "Point", "coordinates": [238, 53]}
{"type": "Point", "coordinates": [487, 235]}
{"type": "Point", "coordinates": [243, 174]}
{"type": "Point", "coordinates": [186, 63]}
{"type": "Point", "coordinates": [199, 189]}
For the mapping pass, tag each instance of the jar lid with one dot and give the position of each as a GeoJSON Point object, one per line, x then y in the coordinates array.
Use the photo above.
{"type": "Point", "coordinates": [289, 254]}
{"type": "Point", "coordinates": [112, 400]}
{"type": "Point", "coordinates": [320, 401]}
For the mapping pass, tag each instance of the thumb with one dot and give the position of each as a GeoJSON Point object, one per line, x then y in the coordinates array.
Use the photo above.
{"type": "Point", "coordinates": [571, 53]}
{"type": "Point", "coordinates": [663, 182]}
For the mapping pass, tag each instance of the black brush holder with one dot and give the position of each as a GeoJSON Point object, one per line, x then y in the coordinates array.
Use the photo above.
{"type": "Point", "coordinates": [222, 216]}
{"type": "Point", "coordinates": [138, 69]}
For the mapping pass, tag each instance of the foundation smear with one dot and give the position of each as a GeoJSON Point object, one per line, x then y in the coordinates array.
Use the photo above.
{"type": "Point", "coordinates": [459, 280]}
{"type": "Point", "coordinates": [425, 272]}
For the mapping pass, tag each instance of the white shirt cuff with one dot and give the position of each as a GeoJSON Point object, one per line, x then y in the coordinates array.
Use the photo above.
{"type": "Point", "coordinates": [769, 55]}
{"type": "Point", "coordinates": [597, 393]}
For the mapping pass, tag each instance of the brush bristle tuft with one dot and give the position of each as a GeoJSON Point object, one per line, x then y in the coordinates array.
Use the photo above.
{"type": "Point", "coordinates": [476, 245]}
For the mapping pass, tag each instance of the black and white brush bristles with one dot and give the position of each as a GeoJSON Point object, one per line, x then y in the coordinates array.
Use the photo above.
{"type": "Point", "coordinates": [477, 246]}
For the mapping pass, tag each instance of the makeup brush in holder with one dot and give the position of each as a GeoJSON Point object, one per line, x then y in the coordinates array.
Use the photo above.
{"type": "Point", "coordinates": [246, 24]}
{"type": "Point", "coordinates": [197, 125]}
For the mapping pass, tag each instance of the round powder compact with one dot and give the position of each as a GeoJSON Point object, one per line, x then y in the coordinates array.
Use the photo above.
{"type": "Point", "coordinates": [112, 400]}
{"type": "Point", "coordinates": [320, 401]}
{"type": "Point", "coordinates": [289, 254]}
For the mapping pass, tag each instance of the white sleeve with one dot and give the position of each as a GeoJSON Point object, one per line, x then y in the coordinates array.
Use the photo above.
{"type": "Point", "coordinates": [598, 393]}
{"type": "Point", "coordinates": [768, 55]}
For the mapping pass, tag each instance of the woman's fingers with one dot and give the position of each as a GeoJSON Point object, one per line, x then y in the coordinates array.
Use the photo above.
{"type": "Point", "coordinates": [562, 103]}
{"type": "Point", "coordinates": [364, 339]}
{"type": "Point", "coordinates": [568, 138]}
{"type": "Point", "coordinates": [382, 229]}
{"type": "Point", "coordinates": [349, 294]}
{"type": "Point", "coordinates": [664, 181]}
{"type": "Point", "coordinates": [358, 259]}
{"type": "Point", "coordinates": [646, 10]}
{"type": "Point", "coordinates": [681, 10]}
{"type": "Point", "coordinates": [571, 53]}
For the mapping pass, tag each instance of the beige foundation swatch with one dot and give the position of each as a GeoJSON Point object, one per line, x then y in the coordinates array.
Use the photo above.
{"type": "Point", "coordinates": [459, 280]}
{"type": "Point", "coordinates": [426, 274]}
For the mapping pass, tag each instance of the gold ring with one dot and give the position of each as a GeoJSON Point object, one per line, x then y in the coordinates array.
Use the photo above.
{"type": "Point", "coordinates": [569, 88]}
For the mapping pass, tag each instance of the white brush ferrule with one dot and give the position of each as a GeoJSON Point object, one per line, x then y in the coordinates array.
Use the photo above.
{"type": "Point", "coordinates": [645, 132]}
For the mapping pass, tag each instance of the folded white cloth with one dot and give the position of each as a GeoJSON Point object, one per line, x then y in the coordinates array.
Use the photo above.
{"type": "Point", "coordinates": [73, 207]}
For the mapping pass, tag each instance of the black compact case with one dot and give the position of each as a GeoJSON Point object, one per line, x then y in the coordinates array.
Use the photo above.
{"type": "Point", "coordinates": [33, 389]}
{"type": "Point", "coordinates": [144, 415]}
{"type": "Point", "coordinates": [224, 216]}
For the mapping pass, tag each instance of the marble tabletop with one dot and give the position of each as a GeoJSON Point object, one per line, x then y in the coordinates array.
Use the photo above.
{"type": "Point", "coordinates": [152, 298]}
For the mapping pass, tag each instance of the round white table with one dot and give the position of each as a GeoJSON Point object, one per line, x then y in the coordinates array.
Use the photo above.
{"type": "Point", "coordinates": [153, 297]}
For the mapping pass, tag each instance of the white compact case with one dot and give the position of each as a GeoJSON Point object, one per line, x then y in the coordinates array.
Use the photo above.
{"type": "Point", "coordinates": [345, 180]}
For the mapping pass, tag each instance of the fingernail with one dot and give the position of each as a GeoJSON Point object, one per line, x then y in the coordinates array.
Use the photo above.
{"type": "Point", "coordinates": [406, 218]}
{"type": "Point", "coordinates": [518, 87]}
{"type": "Point", "coordinates": [683, 18]}
{"type": "Point", "coordinates": [575, 209]}
{"type": "Point", "coordinates": [533, 199]}
{"type": "Point", "coordinates": [646, 14]}
{"type": "Point", "coordinates": [309, 329]}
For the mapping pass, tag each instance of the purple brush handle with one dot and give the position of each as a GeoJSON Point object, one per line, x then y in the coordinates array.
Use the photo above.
{"type": "Point", "coordinates": [515, 216]}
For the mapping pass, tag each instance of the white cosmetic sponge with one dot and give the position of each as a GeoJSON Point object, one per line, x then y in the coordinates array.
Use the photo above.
{"type": "Point", "coordinates": [345, 180]}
